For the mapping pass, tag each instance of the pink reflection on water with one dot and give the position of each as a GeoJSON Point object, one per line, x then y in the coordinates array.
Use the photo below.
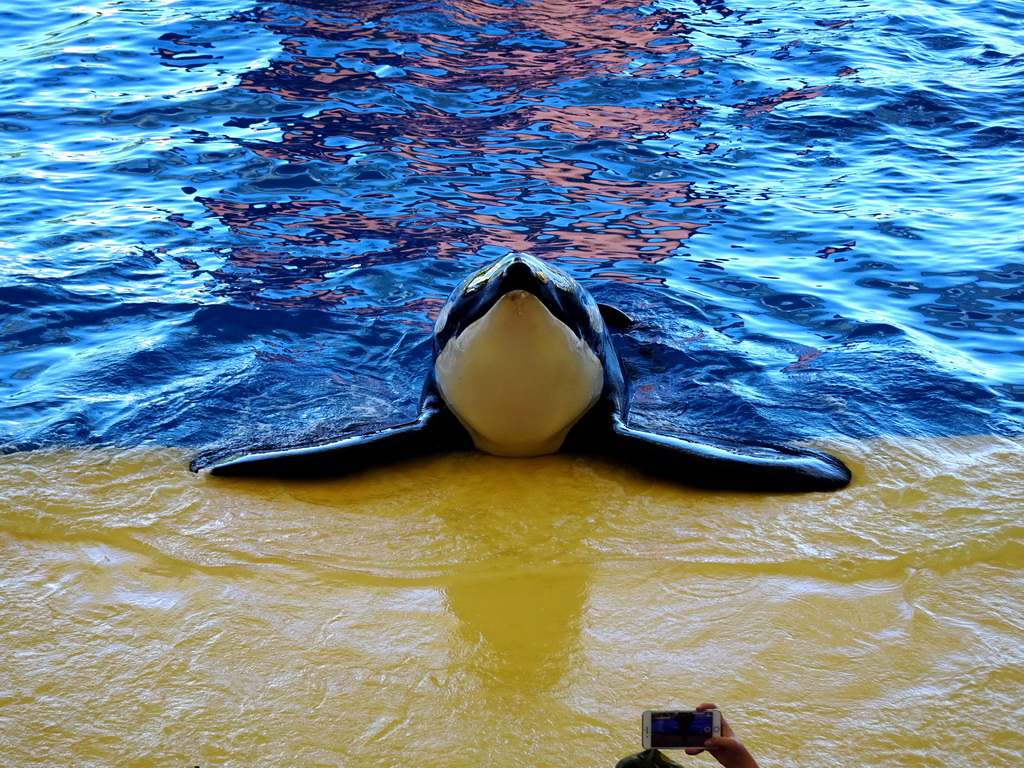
{"type": "Point", "coordinates": [493, 178]}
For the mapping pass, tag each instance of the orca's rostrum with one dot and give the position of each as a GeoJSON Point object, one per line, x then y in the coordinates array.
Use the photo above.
{"type": "Point", "coordinates": [524, 365]}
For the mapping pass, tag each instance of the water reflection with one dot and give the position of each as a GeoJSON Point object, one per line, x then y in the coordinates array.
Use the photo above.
{"type": "Point", "coordinates": [522, 626]}
{"type": "Point", "coordinates": [437, 134]}
{"type": "Point", "coordinates": [353, 157]}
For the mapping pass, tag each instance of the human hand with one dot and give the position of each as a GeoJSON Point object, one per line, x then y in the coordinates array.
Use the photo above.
{"type": "Point", "coordinates": [726, 748]}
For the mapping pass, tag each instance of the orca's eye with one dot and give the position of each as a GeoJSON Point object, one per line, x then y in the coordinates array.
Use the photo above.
{"type": "Point", "coordinates": [560, 280]}
{"type": "Point", "coordinates": [481, 278]}
{"type": "Point", "coordinates": [549, 274]}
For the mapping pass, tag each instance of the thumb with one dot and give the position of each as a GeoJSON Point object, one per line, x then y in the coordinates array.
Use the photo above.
{"type": "Point", "coordinates": [723, 742]}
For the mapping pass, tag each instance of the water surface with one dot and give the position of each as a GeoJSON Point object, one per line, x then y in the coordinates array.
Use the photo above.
{"type": "Point", "coordinates": [233, 225]}
{"type": "Point", "coordinates": [469, 610]}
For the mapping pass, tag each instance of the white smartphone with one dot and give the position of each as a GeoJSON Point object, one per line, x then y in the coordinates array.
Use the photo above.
{"type": "Point", "coordinates": [679, 728]}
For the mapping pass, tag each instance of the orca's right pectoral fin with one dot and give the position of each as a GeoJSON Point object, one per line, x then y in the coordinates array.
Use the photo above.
{"type": "Point", "coordinates": [726, 464]}
{"type": "Point", "coordinates": [614, 317]}
{"type": "Point", "coordinates": [340, 457]}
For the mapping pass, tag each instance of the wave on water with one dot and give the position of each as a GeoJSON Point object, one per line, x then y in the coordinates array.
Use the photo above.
{"type": "Point", "coordinates": [236, 224]}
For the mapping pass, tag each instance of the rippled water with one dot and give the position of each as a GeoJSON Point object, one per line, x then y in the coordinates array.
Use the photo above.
{"type": "Point", "coordinates": [236, 223]}
{"type": "Point", "coordinates": [228, 224]}
{"type": "Point", "coordinates": [471, 610]}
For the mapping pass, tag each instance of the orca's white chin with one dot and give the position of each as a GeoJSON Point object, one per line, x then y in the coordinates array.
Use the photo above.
{"type": "Point", "coordinates": [518, 379]}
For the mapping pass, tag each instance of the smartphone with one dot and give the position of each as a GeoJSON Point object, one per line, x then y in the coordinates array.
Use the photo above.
{"type": "Point", "coordinates": [679, 728]}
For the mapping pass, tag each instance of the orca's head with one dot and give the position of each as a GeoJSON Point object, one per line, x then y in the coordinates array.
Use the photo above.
{"type": "Point", "coordinates": [563, 297]}
{"type": "Point", "coordinates": [521, 354]}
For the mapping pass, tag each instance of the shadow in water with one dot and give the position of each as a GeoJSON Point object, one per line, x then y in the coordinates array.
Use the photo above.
{"type": "Point", "coordinates": [522, 627]}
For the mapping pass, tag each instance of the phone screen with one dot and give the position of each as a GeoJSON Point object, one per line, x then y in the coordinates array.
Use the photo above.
{"type": "Point", "coordinates": [676, 730]}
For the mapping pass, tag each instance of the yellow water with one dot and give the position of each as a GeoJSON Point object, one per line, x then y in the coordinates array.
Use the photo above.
{"type": "Point", "coordinates": [475, 611]}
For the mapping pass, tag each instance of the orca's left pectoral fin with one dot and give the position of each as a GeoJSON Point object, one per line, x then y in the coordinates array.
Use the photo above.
{"type": "Point", "coordinates": [341, 457]}
{"type": "Point", "coordinates": [726, 464]}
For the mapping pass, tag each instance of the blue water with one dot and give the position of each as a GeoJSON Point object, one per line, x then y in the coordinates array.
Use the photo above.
{"type": "Point", "coordinates": [233, 224]}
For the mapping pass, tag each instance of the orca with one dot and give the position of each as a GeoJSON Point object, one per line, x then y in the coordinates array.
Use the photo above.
{"type": "Point", "coordinates": [524, 365]}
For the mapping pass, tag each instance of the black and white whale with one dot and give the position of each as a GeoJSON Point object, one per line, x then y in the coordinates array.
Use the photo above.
{"type": "Point", "coordinates": [524, 365]}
